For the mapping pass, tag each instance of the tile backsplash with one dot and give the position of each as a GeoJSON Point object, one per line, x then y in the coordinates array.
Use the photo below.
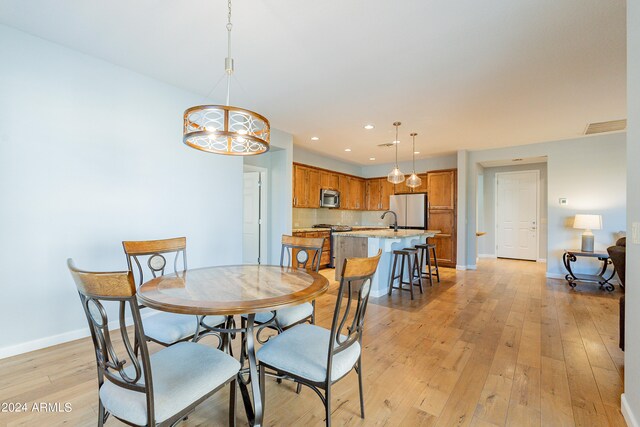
{"type": "Point", "coordinates": [303, 217]}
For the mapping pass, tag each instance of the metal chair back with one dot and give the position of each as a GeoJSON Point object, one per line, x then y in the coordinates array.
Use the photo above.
{"type": "Point", "coordinates": [347, 324]}
{"type": "Point", "coordinates": [150, 257]}
{"type": "Point", "coordinates": [301, 252]}
{"type": "Point", "coordinates": [95, 288]}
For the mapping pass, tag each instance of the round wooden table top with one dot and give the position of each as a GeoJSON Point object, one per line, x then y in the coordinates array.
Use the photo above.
{"type": "Point", "coordinates": [235, 289]}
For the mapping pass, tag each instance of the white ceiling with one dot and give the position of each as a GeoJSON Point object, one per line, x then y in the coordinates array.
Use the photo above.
{"type": "Point", "coordinates": [464, 74]}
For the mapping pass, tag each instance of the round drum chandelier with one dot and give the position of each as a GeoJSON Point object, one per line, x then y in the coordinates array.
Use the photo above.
{"type": "Point", "coordinates": [223, 129]}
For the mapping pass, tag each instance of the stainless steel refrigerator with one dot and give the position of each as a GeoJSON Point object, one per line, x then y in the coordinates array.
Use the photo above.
{"type": "Point", "coordinates": [412, 210]}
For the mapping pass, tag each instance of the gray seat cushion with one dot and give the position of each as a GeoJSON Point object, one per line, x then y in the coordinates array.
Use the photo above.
{"type": "Point", "coordinates": [287, 316]}
{"type": "Point", "coordinates": [182, 374]}
{"type": "Point", "coordinates": [303, 351]}
{"type": "Point", "coordinates": [169, 328]}
{"type": "Point", "coordinates": [213, 321]}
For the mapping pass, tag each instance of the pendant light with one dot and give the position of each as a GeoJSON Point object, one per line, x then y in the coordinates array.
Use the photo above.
{"type": "Point", "coordinates": [414, 180]}
{"type": "Point", "coordinates": [395, 176]}
{"type": "Point", "coordinates": [223, 129]}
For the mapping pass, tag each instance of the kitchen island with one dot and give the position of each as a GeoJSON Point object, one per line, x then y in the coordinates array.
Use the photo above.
{"type": "Point", "coordinates": [365, 243]}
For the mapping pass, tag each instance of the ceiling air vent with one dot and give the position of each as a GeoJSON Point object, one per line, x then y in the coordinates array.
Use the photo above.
{"type": "Point", "coordinates": [386, 145]}
{"type": "Point", "coordinates": [610, 126]}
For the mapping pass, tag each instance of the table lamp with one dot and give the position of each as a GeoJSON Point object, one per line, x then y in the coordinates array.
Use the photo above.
{"type": "Point", "coordinates": [587, 223]}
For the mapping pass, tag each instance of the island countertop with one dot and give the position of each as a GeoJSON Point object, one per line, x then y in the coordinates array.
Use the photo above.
{"type": "Point", "coordinates": [388, 233]}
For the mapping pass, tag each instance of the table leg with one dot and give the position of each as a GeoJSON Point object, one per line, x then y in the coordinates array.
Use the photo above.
{"type": "Point", "coordinates": [605, 280]}
{"type": "Point", "coordinates": [567, 259]}
{"type": "Point", "coordinates": [254, 410]}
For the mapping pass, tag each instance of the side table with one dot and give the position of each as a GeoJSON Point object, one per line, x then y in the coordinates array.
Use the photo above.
{"type": "Point", "coordinates": [571, 255]}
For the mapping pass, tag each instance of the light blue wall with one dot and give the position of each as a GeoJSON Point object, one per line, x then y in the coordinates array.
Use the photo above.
{"type": "Point", "coordinates": [631, 397]}
{"type": "Point", "coordinates": [307, 157]}
{"type": "Point", "coordinates": [91, 154]}
{"type": "Point", "coordinates": [422, 165]}
{"type": "Point", "coordinates": [589, 171]}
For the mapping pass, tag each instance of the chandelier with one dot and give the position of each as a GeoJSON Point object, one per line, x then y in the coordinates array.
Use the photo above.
{"type": "Point", "coordinates": [414, 180]}
{"type": "Point", "coordinates": [395, 176]}
{"type": "Point", "coordinates": [223, 129]}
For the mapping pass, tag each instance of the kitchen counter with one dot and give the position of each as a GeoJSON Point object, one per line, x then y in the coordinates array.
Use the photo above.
{"type": "Point", "coordinates": [388, 233]}
{"type": "Point", "coordinates": [355, 227]}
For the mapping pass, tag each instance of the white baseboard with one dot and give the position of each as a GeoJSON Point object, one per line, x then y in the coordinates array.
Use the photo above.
{"type": "Point", "coordinates": [542, 260]}
{"type": "Point", "coordinates": [491, 256]}
{"type": "Point", "coordinates": [555, 275]}
{"type": "Point", "coordinates": [461, 267]}
{"type": "Point", "coordinates": [37, 344]}
{"type": "Point", "coordinates": [378, 293]}
{"type": "Point", "coordinates": [472, 267]}
{"type": "Point", "coordinates": [627, 413]}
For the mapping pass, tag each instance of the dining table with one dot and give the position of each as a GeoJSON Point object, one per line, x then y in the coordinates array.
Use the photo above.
{"type": "Point", "coordinates": [235, 290]}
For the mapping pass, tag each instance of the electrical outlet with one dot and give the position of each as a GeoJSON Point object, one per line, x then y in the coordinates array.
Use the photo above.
{"type": "Point", "coordinates": [635, 233]}
{"type": "Point", "coordinates": [563, 201]}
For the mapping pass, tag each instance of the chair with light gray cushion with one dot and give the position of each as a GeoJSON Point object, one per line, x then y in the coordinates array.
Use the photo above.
{"type": "Point", "coordinates": [150, 256]}
{"type": "Point", "coordinates": [296, 252]}
{"type": "Point", "coordinates": [160, 389]}
{"type": "Point", "coordinates": [317, 357]}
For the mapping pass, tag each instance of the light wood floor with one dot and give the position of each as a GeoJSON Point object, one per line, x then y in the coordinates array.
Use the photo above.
{"type": "Point", "coordinates": [497, 346]}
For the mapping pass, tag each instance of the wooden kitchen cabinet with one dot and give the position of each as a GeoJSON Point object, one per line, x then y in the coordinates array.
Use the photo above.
{"type": "Point", "coordinates": [325, 259]}
{"type": "Point", "coordinates": [306, 187]}
{"type": "Point", "coordinates": [442, 193]}
{"type": "Point", "coordinates": [387, 189]}
{"type": "Point", "coordinates": [329, 180]}
{"type": "Point", "coordinates": [373, 190]}
{"type": "Point", "coordinates": [356, 195]}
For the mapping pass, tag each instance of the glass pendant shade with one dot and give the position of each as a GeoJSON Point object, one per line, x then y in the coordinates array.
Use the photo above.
{"type": "Point", "coordinates": [414, 181]}
{"type": "Point", "coordinates": [223, 129]}
{"type": "Point", "coordinates": [395, 176]}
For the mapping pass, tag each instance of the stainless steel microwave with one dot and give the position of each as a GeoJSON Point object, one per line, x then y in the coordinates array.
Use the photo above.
{"type": "Point", "coordinates": [329, 198]}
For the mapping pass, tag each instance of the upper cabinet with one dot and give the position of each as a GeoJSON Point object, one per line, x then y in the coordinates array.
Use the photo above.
{"type": "Point", "coordinates": [442, 189]}
{"type": "Point", "coordinates": [378, 191]}
{"type": "Point", "coordinates": [356, 195]}
{"type": "Point", "coordinates": [329, 180]}
{"type": "Point", "coordinates": [306, 187]}
{"type": "Point", "coordinates": [403, 188]}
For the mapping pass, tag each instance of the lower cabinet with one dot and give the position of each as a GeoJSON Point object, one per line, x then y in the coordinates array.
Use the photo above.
{"type": "Point", "coordinates": [325, 259]}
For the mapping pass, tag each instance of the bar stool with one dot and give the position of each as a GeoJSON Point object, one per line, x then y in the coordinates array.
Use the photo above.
{"type": "Point", "coordinates": [430, 271]}
{"type": "Point", "coordinates": [413, 266]}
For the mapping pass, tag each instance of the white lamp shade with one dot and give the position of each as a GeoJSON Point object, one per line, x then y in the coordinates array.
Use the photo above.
{"type": "Point", "coordinates": [395, 176]}
{"type": "Point", "coordinates": [588, 222]}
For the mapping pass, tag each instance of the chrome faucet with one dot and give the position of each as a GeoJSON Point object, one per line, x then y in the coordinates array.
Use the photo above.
{"type": "Point", "coordinates": [395, 220]}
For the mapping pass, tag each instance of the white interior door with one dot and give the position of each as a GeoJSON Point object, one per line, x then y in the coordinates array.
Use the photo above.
{"type": "Point", "coordinates": [251, 223]}
{"type": "Point", "coordinates": [517, 215]}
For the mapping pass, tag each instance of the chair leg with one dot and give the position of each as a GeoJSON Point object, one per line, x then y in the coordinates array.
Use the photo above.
{"type": "Point", "coordinates": [359, 370]}
{"type": "Point", "coordinates": [327, 406]}
{"type": "Point", "coordinates": [298, 388]}
{"type": "Point", "coordinates": [393, 274]}
{"type": "Point", "coordinates": [417, 273]}
{"type": "Point", "coordinates": [313, 313]}
{"type": "Point", "coordinates": [101, 414]}
{"type": "Point", "coordinates": [232, 403]}
{"type": "Point", "coordinates": [410, 269]}
{"type": "Point", "coordinates": [435, 261]}
{"type": "Point", "coordinates": [429, 268]}
{"type": "Point", "coordinates": [402, 272]}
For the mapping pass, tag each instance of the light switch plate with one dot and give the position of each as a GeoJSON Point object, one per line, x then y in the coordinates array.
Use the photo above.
{"type": "Point", "coordinates": [635, 233]}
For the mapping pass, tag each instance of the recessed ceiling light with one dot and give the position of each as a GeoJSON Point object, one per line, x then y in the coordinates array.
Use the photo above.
{"type": "Point", "coordinates": [347, 149]}
{"type": "Point", "coordinates": [416, 152]}
{"type": "Point", "coordinates": [314, 138]}
{"type": "Point", "coordinates": [369, 126]}
{"type": "Point", "coordinates": [372, 158]}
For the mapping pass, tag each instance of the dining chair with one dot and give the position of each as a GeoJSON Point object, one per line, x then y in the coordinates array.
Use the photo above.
{"type": "Point", "coordinates": [154, 258]}
{"type": "Point", "coordinates": [297, 252]}
{"type": "Point", "coordinates": [150, 390]}
{"type": "Point", "coordinates": [317, 357]}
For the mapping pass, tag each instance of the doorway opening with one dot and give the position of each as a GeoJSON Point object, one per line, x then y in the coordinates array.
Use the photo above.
{"type": "Point", "coordinates": [511, 216]}
{"type": "Point", "coordinates": [254, 224]}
